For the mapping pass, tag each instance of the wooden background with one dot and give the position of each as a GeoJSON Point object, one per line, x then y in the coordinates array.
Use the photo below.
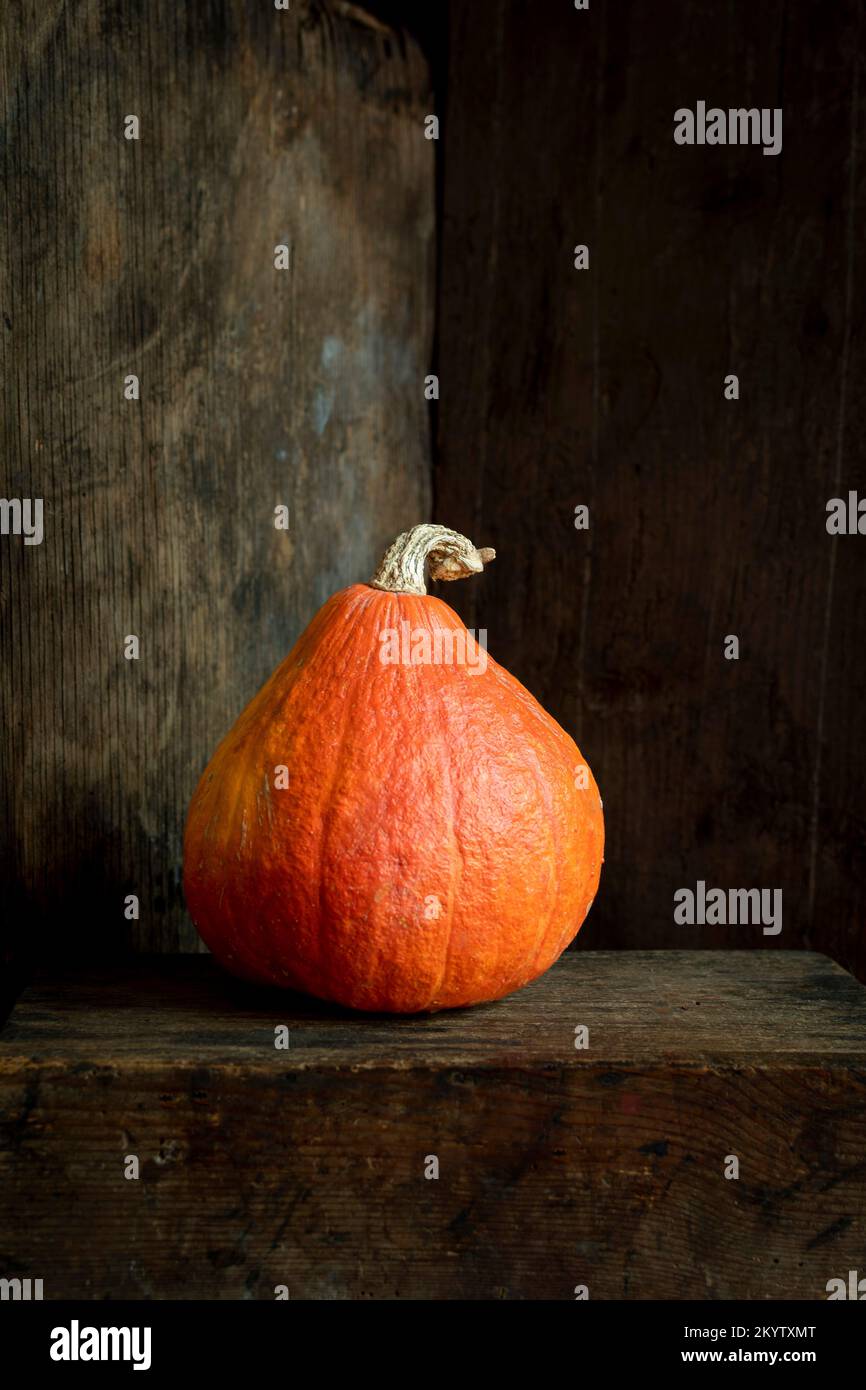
{"type": "Point", "coordinates": [258, 387]}
{"type": "Point", "coordinates": [605, 387]}
{"type": "Point", "coordinates": [559, 387]}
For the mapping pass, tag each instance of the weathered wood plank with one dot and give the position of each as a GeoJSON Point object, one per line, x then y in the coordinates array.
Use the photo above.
{"type": "Point", "coordinates": [558, 1167]}
{"type": "Point", "coordinates": [604, 387]}
{"type": "Point", "coordinates": [258, 387]}
{"type": "Point", "coordinates": [645, 1008]}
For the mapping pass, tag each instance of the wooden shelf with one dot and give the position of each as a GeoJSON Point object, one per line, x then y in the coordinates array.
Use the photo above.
{"type": "Point", "coordinates": [557, 1167]}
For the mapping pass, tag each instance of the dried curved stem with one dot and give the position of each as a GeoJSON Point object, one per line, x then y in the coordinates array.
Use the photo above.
{"type": "Point", "coordinates": [450, 556]}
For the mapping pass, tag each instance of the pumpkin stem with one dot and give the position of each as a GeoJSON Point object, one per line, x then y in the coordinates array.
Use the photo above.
{"type": "Point", "coordinates": [450, 555]}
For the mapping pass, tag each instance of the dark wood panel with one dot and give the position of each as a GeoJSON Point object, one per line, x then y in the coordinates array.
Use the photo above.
{"type": "Point", "coordinates": [605, 387]}
{"type": "Point", "coordinates": [557, 1167]}
{"type": "Point", "coordinates": [259, 387]}
{"type": "Point", "coordinates": [648, 1008]}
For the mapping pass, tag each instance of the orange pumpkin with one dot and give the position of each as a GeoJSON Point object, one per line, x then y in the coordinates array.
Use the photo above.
{"type": "Point", "coordinates": [394, 823]}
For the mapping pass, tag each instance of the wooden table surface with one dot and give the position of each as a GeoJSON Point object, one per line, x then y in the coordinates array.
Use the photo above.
{"type": "Point", "coordinates": [558, 1167]}
{"type": "Point", "coordinates": [641, 1008]}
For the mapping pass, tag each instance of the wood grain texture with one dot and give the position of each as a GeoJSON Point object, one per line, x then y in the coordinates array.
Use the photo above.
{"type": "Point", "coordinates": [558, 1167]}
{"type": "Point", "coordinates": [605, 387]}
{"type": "Point", "coordinates": [258, 387]}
